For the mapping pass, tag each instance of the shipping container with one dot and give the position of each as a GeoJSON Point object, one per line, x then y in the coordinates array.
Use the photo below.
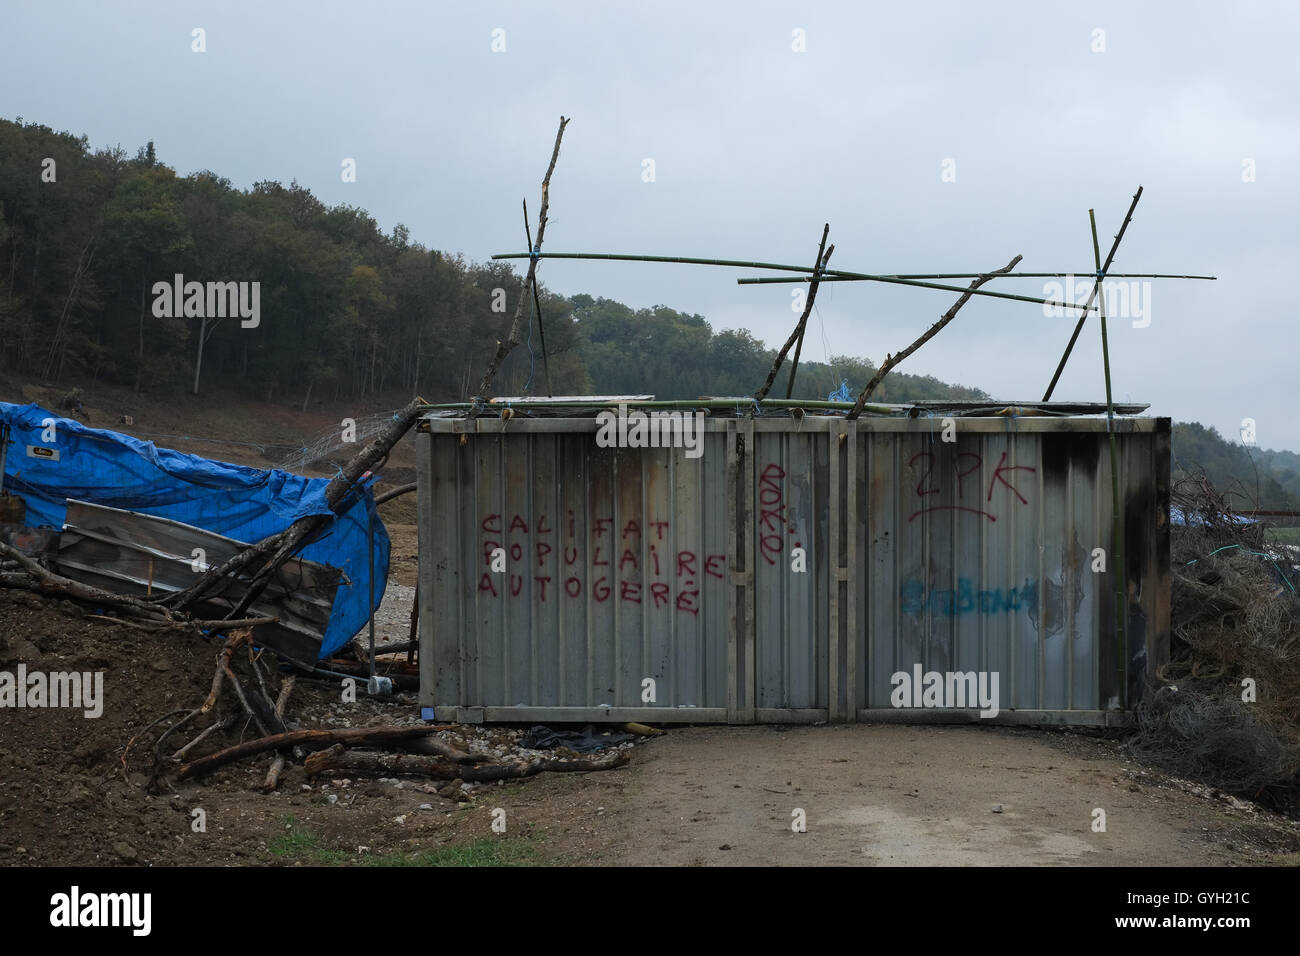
{"type": "Point", "coordinates": [791, 569]}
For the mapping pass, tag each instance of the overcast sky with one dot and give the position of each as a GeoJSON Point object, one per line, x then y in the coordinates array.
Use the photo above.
{"type": "Point", "coordinates": [755, 145]}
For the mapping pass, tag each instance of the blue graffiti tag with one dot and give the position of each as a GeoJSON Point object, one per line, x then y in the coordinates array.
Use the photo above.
{"type": "Point", "coordinates": [964, 600]}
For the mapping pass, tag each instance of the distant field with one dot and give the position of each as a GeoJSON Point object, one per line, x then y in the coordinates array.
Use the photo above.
{"type": "Point", "coordinates": [1285, 535]}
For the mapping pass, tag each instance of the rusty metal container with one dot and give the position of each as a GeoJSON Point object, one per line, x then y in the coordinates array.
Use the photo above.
{"type": "Point", "coordinates": [643, 584]}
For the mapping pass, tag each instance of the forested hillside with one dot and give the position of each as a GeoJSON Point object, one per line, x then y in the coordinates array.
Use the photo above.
{"type": "Point", "coordinates": [346, 311]}
{"type": "Point", "coordinates": [676, 355]}
{"type": "Point", "coordinates": [1259, 478]}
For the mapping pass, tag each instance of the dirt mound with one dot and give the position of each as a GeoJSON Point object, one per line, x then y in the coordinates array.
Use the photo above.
{"type": "Point", "coordinates": [66, 797]}
{"type": "Point", "coordinates": [73, 795]}
{"type": "Point", "coordinates": [79, 790]}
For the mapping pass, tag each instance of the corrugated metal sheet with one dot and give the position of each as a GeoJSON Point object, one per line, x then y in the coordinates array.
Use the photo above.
{"type": "Point", "coordinates": [629, 565]}
{"type": "Point", "coordinates": [132, 553]}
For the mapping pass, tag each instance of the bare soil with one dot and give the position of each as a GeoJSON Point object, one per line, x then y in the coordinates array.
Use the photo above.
{"type": "Point", "coordinates": [695, 796]}
{"type": "Point", "coordinates": [916, 796]}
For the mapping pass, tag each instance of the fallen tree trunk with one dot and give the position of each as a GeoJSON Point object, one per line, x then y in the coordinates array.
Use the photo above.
{"type": "Point", "coordinates": [339, 758]}
{"type": "Point", "coordinates": [433, 746]}
{"type": "Point", "coordinates": [308, 739]}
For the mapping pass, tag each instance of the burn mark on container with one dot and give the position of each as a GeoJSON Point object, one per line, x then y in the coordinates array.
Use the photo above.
{"type": "Point", "coordinates": [1068, 451]}
{"type": "Point", "coordinates": [1058, 593]}
{"type": "Point", "coordinates": [1138, 509]}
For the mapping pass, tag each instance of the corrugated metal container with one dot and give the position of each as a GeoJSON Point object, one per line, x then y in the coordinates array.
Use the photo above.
{"type": "Point", "coordinates": [633, 574]}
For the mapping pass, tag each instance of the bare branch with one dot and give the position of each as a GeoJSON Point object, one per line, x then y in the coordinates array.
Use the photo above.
{"type": "Point", "coordinates": [892, 360]}
{"type": "Point", "coordinates": [504, 348]}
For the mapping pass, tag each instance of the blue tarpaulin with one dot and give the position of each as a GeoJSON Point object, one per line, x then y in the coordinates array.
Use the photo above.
{"type": "Point", "coordinates": [109, 468]}
{"type": "Point", "coordinates": [1179, 517]}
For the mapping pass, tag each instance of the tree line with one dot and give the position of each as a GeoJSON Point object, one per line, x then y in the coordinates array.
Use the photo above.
{"type": "Point", "coordinates": [89, 237]}
{"type": "Point", "coordinates": [1256, 478]}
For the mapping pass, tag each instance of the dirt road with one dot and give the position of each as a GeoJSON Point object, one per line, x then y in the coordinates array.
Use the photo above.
{"type": "Point", "coordinates": [895, 796]}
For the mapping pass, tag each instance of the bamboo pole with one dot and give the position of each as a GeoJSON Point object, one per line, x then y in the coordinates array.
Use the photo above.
{"type": "Point", "coordinates": [718, 404]}
{"type": "Point", "coordinates": [1096, 287]}
{"type": "Point", "coordinates": [691, 260]}
{"type": "Point", "coordinates": [680, 260]}
{"type": "Point", "coordinates": [769, 280]}
{"type": "Point", "coordinates": [1116, 529]}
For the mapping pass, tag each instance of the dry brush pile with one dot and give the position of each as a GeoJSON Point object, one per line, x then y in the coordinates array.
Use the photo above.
{"type": "Point", "coordinates": [1235, 624]}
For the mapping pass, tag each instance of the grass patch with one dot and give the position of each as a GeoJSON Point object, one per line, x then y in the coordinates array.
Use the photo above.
{"type": "Point", "coordinates": [297, 843]}
{"type": "Point", "coordinates": [300, 844]}
{"type": "Point", "coordinates": [1285, 535]}
{"type": "Point", "coordinates": [486, 851]}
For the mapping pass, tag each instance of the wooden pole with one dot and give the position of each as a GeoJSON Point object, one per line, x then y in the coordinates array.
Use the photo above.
{"type": "Point", "coordinates": [1116, 525]}
{"type": "Point", "coordinates": [823, 256]}
{"type": "Point", "coordinates": [537, 306]}
{"type": "Point", "coordinates": [1096, 287]}
{"type": "Point", "coordinates": [534, 256]}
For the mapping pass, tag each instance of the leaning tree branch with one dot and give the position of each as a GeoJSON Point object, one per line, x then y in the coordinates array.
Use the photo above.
{"type": "Point", "coordinates": [823, 257]}
{"type": "Point", "coordinates": [892, 360]}
{"type": "Point", "coordinates": [537, 305]}
{"type": "Point", "coordinates": [281, 547]}
{"type": "Point", "coordinates": [504, 348]}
